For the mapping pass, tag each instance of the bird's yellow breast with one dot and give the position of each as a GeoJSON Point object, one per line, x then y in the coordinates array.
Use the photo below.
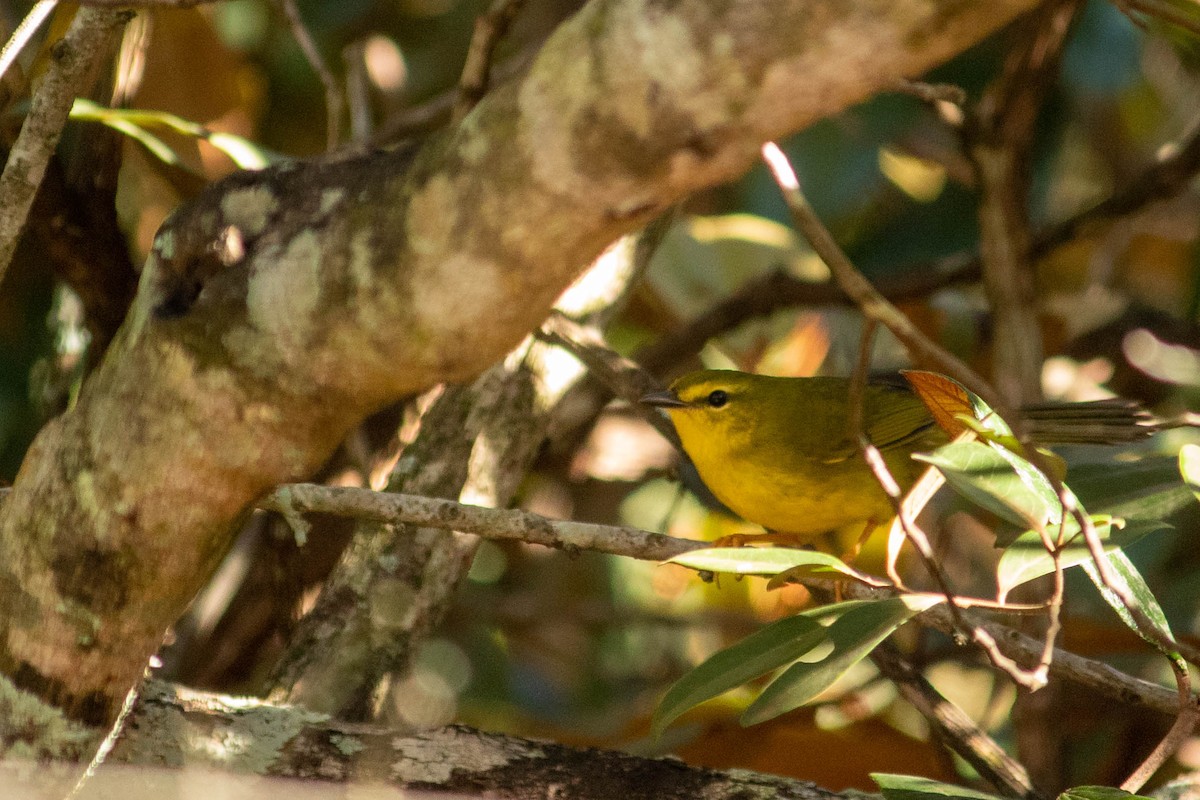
{"type": "Point", "coordinates": [807, 496]}
{"type": "Point", "coordinates": [777, 450]}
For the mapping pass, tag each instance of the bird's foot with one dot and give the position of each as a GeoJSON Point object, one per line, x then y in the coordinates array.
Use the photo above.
{"type": "Point", "coordinates": [850, 555]}
{"type": "Point", "coordinates": [770, 537]}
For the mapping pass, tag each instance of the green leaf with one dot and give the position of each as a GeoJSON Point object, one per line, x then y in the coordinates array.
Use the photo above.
{"type": "Point", "coordinates": [771, 647]}
{"type": "Point", "coordinates": [910, 787]}
{"type": "Point", "coordinates": [157, 147]}
{"type": "Point", "coordinates": [134, 123]}
{"type": "Point", "coordinates": [1134, 585]}
{"type": "Point", "coordinates": [997, 480]}
{"type": "Point", "coordinates": [1189, 467]}
{"type": "Point", "coordinates": [1026, 558]}
{"type": "Point", "coordinates": [1099, 793]}
{"type": "Point", "coordinates": [989, 420]}
{"type": "Point", "coordinates": [757, 560]}
{"type": "Point", "coordinates": [1148, 488]}
{"type": "Point", "coordinates": [855, 633]}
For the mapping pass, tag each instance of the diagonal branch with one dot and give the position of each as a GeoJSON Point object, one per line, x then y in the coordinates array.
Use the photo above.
{"type": "Point", "coordinates": [281, 307]}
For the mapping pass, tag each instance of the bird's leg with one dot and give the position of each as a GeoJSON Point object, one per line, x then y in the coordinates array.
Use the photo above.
{"type": "Point", "coordinates": [770, 537]}
{"type": "Point", "coordinates": [851, 554]}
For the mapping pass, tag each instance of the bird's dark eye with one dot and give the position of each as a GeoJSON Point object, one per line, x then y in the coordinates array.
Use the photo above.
{"type": "Point", "coordinates": [718, 398]}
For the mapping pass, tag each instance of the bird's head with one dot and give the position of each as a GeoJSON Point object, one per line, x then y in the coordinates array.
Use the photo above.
{"type": "Point", "coordinates": [713, 405]}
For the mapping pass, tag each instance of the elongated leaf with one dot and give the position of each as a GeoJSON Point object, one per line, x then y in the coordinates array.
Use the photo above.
{"type": "Point", "coordinates": [757, 560]}
{"type": "Point", "coordinates": [135, 123]}
{"type": "Point", "coordinates": [1099, 793]}
{"type": "Point", "coordinates": [1026, 557]}
{"type": "Point", "coordinates": [910, 787]}
{"type": "Point", "coordinates": [771, 647]}
{"type": "Point", "coordinates": [1135, 585]}
{"type": "Point", "coordinates": [999, 481]}
{"type": "Point", "coordinates": [854, 634]}
{"type": "Point", "coordinates": [1145, 489]}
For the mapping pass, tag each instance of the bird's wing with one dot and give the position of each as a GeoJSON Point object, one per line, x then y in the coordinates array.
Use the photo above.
{"type": "Point", "coordinates": [895, 417]}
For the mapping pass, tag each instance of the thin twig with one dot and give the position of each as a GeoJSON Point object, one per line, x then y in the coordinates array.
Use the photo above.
{"type": "Point", "coordinates": [1053, 547]}
{"type": "Point", "coordinates": [910, 508]}
{"type": "Point", "coordinates": [490, 523]}
{"type": "Point", "coordinates": [1054, 604]}
{"type": "Point", "coordinates": [109, 742]}
{"type": "Point", "coordinates": [335, 101]}
{"type": "Point", "coordinates": [358, 91]}
{"type": "Point", "coordinates": [490, 28]}
{"type": "Point", "coordinates": [858, 382]}
{"type": "Point", "coordinates": [957, 729]}
{"type": "Point", "coordinates": [1179, 732]}
{"type": "Point", "coordinates": [866, 297]}
{"type": "Point", "coordinates": [89, 39]}
{"type": "Point", "coordinates": [624, 378]}
{"type": "Point", "coordinates": [912, 532]}
{"type": "Point", "coordinates": [20, 38]}
{"type": "Point", "coordinates": [1031, 679]}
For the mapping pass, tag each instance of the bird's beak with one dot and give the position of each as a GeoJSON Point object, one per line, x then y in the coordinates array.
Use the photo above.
{"type": "Point", "coordinates": [663, 400]}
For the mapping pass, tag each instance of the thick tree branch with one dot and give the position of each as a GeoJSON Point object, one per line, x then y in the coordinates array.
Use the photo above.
{"type": "Point", "coordinates": [281, 307]}
{"type": "Point", "coordinates": [173, 726]}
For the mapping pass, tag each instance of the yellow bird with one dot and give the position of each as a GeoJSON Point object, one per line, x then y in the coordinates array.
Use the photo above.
{"type": "Point", "coordinates": [778, 451]}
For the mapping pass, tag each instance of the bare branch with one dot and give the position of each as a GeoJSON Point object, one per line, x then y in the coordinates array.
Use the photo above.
{"type": "Point", "coordinates": [1180, 731]}
{"type": "Point", "coordinates": [760, 297]}
{"type": "Point", "coordinates": [873, 304]}
{"type": "Point", "coordinates": [490, 523]}
{"type": "Point", "coordinates": [490, 28]}
{"type": "Point", "coordinates": [335, 102]}
{"type": "Point", "coordinates": [957, 729]}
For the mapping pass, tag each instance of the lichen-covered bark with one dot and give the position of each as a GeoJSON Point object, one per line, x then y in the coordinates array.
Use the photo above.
{"type": "Point", "coordinates": [281, 307]}
{"type": "Point", "coordinates": [178, 729]}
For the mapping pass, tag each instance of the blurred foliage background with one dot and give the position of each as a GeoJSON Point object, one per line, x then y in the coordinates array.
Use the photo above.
{"type": "Point", "coordinates": [580, 649]}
